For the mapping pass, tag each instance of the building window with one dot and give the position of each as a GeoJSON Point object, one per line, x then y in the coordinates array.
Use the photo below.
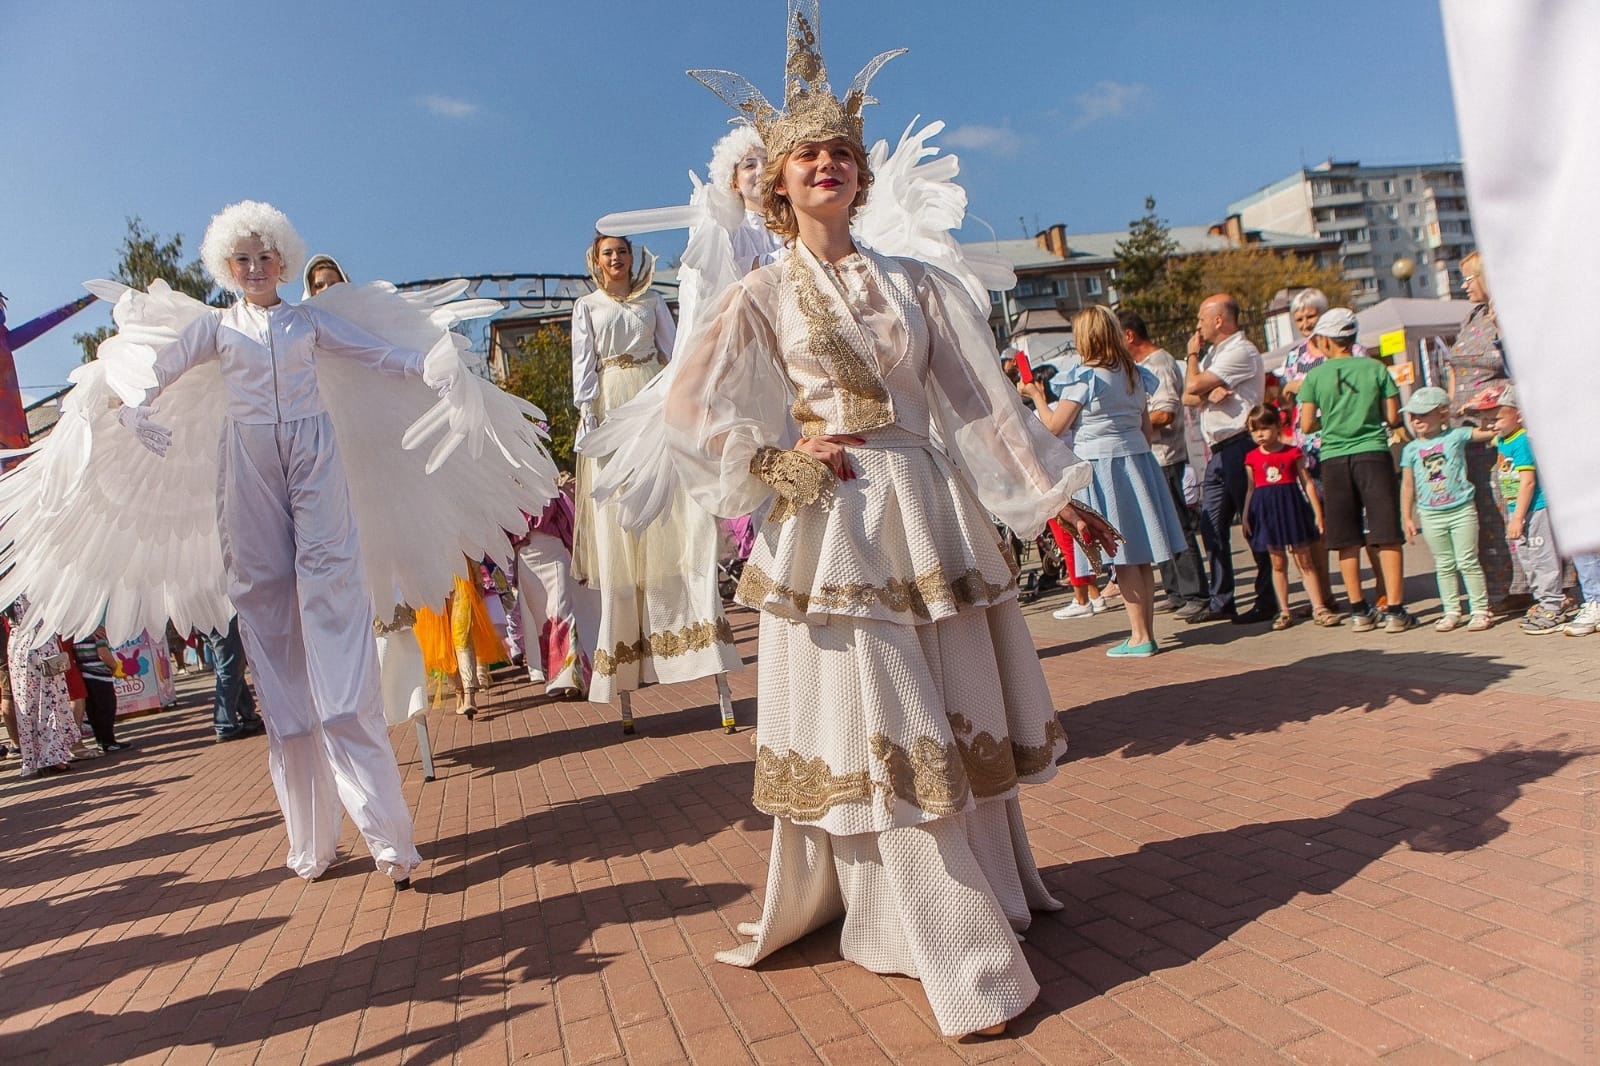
{"type": "Point", "coordinates": [1408, 185]}
{"type": "Point", "coordinates": [1394, 233]}
{"type": "Point", "coordinates": [1466, 227]}
{"type": "Point", "coordinates": [1320, 187]}
{"type": "Point", "coordinates": [1394, 212]}
{"type": "Point", "coordinates": [1422, 281]}
{"type": "Point", "coordinates": [1388, 188]}
{"type": "Point", "coordinates": [1416, 233]}
{"type": "Point", "coordinates": [1366, 188]}
{"type": "Point", "coordinates": [1091, 285]}
{"type": "Point", "coordinates": [1411, 210]}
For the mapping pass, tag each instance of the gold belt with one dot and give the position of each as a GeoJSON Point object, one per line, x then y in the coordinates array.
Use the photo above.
{"type": "Point", "coordinates": [629, 359]}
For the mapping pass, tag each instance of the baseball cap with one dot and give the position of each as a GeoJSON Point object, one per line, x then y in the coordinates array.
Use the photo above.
{"type": "Point", "coordinates": [1428, 398]}
{"type": "Point", "coordinates": [1338, 323]}
{"type": "Point", "coordinates": [1493, 398]}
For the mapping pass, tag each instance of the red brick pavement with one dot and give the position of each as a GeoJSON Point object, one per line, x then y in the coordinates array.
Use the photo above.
{"type": "Point", "coordinates": [1318, 862]}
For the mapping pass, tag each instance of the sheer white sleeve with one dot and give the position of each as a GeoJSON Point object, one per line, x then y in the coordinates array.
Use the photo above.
{"type": "Point", "coordinates": [666, 329]}
{"type": "Point", "coordinates": [729, 399]}
{"type": "Point", "coordinates": [1022, 474]}
{"type": "Point", "coordinates": [585, 363]}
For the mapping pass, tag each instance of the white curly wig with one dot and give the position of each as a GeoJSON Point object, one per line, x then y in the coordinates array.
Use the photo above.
{"type": "Point", "coordinates": [734, 146]}
{"type": "Point", "coordinates": [249, 218]}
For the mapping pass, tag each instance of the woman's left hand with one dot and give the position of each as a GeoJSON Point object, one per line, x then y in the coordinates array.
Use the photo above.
{"type": "Point", "coordinates": [1089, 527]}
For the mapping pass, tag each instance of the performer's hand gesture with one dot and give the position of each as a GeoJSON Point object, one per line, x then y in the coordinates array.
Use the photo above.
{"type": "Point", "coordinates": [1090, 528]}
{"type": "Point", "coordinates": [152, 435]}
{"type": "Point", "coordinates": [830, 449]}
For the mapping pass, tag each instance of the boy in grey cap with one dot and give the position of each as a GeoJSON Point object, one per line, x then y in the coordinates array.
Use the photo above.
{"type": "Point", "coordinates": [1436, 498]}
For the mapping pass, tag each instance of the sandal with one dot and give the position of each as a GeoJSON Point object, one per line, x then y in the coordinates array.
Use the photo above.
{"type": "Point", "coordinates": [1282, 622]}
{"type": "Point", "coordinates": [1327, 617]}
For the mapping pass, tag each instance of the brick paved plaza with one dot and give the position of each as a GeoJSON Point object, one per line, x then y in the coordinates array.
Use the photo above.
{"type": "Point", "coordinates": [1309, 846]}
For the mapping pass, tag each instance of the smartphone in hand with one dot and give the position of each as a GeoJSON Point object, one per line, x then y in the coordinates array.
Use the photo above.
{"type": "Point", "coordinates": [1024, 368]}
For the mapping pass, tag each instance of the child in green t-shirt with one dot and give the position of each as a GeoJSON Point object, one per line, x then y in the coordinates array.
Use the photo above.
{"type": "Point", "coordinates": [1355, 404]}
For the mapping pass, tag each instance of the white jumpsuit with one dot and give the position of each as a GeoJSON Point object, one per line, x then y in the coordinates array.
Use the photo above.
{"type": "Point", "coordinates": [293, 559]}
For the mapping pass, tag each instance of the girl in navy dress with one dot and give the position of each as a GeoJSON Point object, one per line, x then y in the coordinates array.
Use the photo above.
{"type": "Point", "coordinates": [1283, 514]}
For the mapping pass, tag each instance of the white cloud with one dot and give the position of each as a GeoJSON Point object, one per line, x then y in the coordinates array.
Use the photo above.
{"type": "Point", "coordinates": [1001, 140]}
{"type": "Point", "coordinates": [449, 106]}
{"type": "Point", "coordinates": [1109, 100]}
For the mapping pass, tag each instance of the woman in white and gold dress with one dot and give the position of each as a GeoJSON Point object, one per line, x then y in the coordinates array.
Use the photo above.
{"type": "Point", "coordinates": [661, 618]}
{"type": "Point", "coordinates": [901, 699]}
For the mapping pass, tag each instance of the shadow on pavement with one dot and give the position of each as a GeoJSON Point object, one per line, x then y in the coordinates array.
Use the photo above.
{"type": "Point", "coordinates": [1171, 902]}
{"type": "Point", "coordinates": [483, 957]}
{"type": "Point", "coordinates": [1149, 721]}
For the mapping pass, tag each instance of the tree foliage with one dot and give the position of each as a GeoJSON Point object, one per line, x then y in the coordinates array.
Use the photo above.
{"type": "Point", "coordinates": [144, 257]}
{"type": "Point", "coordinates": [1166, 287]}
{"type": "Point", "coordinates": [541, 372]}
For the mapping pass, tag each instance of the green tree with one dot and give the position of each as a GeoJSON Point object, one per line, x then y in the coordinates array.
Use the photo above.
{"type": "Point", "coordinates": [144, 258]}
{"type": "Point", "coordinates": [1154, 280]}
{"type": "Point", "coordinates": [1253, 275]}
{"type": "Point", "coordinates": [541, 373]}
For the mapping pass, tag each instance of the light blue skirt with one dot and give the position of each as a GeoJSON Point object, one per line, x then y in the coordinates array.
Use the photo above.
{"type": "Point", "coordinates": [1132, 493]}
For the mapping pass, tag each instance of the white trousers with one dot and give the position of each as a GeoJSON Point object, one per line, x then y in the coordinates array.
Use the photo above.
{"type": "Point", "coordinates": [560, 618]}
{"type": "Point", "coordinates": [293, 558]}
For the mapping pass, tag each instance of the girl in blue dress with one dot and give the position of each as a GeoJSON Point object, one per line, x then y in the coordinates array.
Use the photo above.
{"type": "Point", "coordinates": [1106, 396]}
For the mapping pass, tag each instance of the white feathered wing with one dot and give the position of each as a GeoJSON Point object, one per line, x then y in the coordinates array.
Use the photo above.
{"type": "Point", "coordinates": [93, 526]}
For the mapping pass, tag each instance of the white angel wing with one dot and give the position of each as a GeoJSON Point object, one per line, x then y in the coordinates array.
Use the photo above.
{"type": "Point", "coordinates": [915, 206]}
{"type": "Point", "coordinates": [146, 322]}
{"type": "Point", "coordinates": [420, 512]}
{"type": "Point", "coordinates": [96, 527]}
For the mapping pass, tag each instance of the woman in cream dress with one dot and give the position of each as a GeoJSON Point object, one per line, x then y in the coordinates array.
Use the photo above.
{"type": "Point", "coordinates": [902, 703]}
{"type": "Point", "coordinates": [661, 618]}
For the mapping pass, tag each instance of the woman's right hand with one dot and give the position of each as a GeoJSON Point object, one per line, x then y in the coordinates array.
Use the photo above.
{"type": "Point", "coordinates": [830, 450]}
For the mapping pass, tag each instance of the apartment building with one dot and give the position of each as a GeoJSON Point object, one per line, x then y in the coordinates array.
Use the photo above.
{"type": "Point", "coordinates": [1379, 215]}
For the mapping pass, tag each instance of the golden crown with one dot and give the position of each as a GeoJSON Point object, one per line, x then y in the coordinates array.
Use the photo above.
{"type": "Point", "coordinates": [810, 110]}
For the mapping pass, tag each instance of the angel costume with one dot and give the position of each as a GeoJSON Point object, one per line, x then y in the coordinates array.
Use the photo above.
{"type": "Point", "coordinates": [288, 496]}
{"type": "Point", "coordinates": [661, 618]}
{"type": "Point", "coordinates": [901, 700]}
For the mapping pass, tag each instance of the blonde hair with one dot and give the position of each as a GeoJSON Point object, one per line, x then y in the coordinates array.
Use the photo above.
{"type": "Point", "coordinates": [1472, 263]}
{"type": "Point", "coordinates": [1098, 336]}
{"type": "Point", "coordinates": [780, 212]}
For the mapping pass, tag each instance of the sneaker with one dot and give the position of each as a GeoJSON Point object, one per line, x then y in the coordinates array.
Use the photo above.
{"type": "Point", "coordinates": [1189, 610]}
{"type": "Point", "coordinates": [1074, 610]}
{"type": "Point", "coordinates": [1398, 620]}
{"type": "Point", "coordinates": [1540, 621]}
{"type": "Point", "coordinates": [1363, 619]}
{"type": "Point", "coordinates": [1586, 621]}
{"type": "Point", "coordinates": [1451, 620]}
{"type": "Point", "coordinates": [1100, 606]}
{"type": "Point", "coordinates": [1479, 622]}
{"type": "Point", "coordinates": [1132, 651]}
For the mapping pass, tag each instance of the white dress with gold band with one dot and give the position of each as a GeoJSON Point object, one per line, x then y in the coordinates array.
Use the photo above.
{"type": "Point", "coordinates": [901, 699]}
{"type": "Point", "coordinates": [661, 617]}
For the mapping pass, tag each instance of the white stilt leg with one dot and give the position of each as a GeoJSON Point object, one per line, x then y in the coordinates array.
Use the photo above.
{"type": "Point", "coordinates": [725, 697]}
{"type": "Point", "coordinates": [424, 748]}
{"type": "Point", "coordinates": [627, 711]}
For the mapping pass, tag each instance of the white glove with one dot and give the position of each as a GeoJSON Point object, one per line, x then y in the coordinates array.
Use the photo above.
{"type": "Point", "coordinates": [152, 435]}
{"type": "Point", "coordinates": [587, 422]}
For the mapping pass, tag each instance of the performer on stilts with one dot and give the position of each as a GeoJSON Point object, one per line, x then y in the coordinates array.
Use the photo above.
{"type": "Point", "coordinates": [260, 504]}
{"type": "Point", "coordinates": [902, 701]}
{"type": "Point", "coordinates": [661, 617]}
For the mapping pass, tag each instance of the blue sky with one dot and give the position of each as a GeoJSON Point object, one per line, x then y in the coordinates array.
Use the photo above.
{"type": "Point", "coordinates": [421, 139]}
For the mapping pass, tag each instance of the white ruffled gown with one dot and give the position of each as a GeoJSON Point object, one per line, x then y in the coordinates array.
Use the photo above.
{"type": "Point", "coordinates": [661, 618]}
{"type": "Point", "coordinates": [901, 698]}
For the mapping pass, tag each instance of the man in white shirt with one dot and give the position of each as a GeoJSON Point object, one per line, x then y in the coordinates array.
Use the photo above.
{"type": "Point", "coordinates": [1181, 575]}
{"type": "Point", "coordinates": [1224, 387]}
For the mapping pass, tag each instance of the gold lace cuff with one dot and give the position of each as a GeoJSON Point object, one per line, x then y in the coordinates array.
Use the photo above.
{"type": "Point", "coordinates": [798, 478]}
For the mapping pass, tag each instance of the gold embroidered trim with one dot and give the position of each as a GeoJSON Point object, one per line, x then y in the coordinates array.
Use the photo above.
{"type": "Point", "coordinates": [863, 401]}
{"type": "Point", "coordinates": [991, 764]}
{"type": "Point", "coordinates": [811, 424]}
{"type": "Point", "coordinates": [629, 359]}
{"type": "Point", "coordinates": [1032, 759]}
{"type": "Point", "coordinates": [792, 786]}
{"type": "Point", "coordinates": [798, 478]}
{"type": "Point", "coordinates": [930, 776]}
{"type": "Point", "coordinates": [697, 636]}
{"type": "Point", "coordinates": [917, 596]}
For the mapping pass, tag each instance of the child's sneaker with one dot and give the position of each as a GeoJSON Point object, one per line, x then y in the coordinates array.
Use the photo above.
{"type": "Point", "coordinates": [1072, 610]}
{"type": "Point", "coordinates": [1586, 621]}
{"type": "Point", "coordinates": [1399, 620]}
{"type": "Point", "coordinates": [1363, 619]}
{"type": "Point", "coordinates": [1451, 620]}
{"type": "Point", "coordinates": [1540, 621]}
{"type": "Point", "coordinates": [1479, 622]}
